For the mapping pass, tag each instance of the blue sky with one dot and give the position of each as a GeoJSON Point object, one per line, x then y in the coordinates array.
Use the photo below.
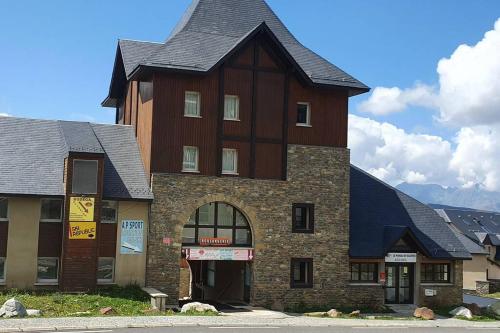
{"type": "Point", "coordinates": [57, 55]}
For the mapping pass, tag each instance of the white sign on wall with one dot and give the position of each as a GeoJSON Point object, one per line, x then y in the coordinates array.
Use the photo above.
{"type": "Point", "coordinates": [401, 257]}
{"type": "Point", "coordinates": [204, 253]}
{"type": "Point", "coordinates": [132, 237]}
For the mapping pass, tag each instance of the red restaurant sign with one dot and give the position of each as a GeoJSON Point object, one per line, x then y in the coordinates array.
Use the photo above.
{"type": "Point", "coordinates": [208, 253]}
{"type": "Point", "coordinates": [209, 241]}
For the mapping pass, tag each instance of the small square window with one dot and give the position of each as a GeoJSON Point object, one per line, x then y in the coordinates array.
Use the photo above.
{"type": "Point", "coordinates": [229, 161]}
{"type": "Point", "coordinates": [435, 273]}
{"type": "Point", "coordinates": [303, 114]}
{"type": "Point", "coordinates": [2, 269]}
{"type": "Point", "coordinates": [51, 210]}
{"type": "Point", "coordinates": [192, 104]}
{"type": "Point", "coordinates": [48, 270]}
{"type": "Point", "coordinates": [231, 107]}
{"type": "Point", "coordinates": [85, 176]}
{"type": "Point", "coordinates": [303, 218]}
{"type": "Point", "coordinates": [108, 211]}
{"type": "Point", "coordinates": [105, 270]}
{"type": "Point", "coordinates": [4, 205]}
{"type": "Point", "coordinates": [364, 272]}
{"type": "Point", "coordinates": [190, 159]}
{"type": "Point", "coordinates": [301, 274]}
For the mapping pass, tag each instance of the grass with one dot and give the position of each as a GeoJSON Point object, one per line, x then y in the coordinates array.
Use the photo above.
{"type": "Point", "coordinates": [494, 295]}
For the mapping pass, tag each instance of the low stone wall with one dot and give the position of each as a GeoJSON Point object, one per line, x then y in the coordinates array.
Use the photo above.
{"type": "Point", "coordinates": [482, 287]}
{"type": "Point", "coordinates": [494, 286]}
{"type": "Point", "coordinates": [367, 296]}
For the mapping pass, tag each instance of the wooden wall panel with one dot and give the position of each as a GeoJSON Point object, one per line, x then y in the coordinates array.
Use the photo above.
{"type": "Point", "coordinates": [328, 116]}
{"type": "Point", "coordinates": [107, 240]}
{"type": "Point", "coordinates": [50, 239]}
{"type": "Point", "coordinates": [244, 57]}
{"type": "Point", "coordinates": [270, 92]}
{"type": "Point", "coordinates": [238, 82]}
{"type": "Point", "coordinates": [268, 161]}
{"type": "Point", "coordinates": [134, 105]}
{"type": "Point", "coordinates": [172, 130]}
{"type": "Point", "coordinates": [266, 60]}
{"type": "Point", "coordinates": [4, 232]}
{"type": "Point", "coordinates": [145, 123]}
{"type": "Point", "coordinates": [128, 104]}
{"type": "Point", "coordinates": [243, 156]}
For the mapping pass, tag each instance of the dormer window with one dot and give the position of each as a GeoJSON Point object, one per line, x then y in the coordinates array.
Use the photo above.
{"type": "Point", "coordinates": [303, 114]}
{"type": "Point", "coordinates": [85, 177]}
{"type": "Point", "coordinates": [192, 104]}
{"type": "Point", "coordinates": [231, 107]}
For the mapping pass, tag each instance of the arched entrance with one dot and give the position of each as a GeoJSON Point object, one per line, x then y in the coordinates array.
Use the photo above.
{"type": "Point", "coordinates": [217, 251]}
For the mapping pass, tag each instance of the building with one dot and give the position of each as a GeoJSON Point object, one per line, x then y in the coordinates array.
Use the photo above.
{"type": "Point", "coordinates": [479, 231]}
{"type": "Point", "coordinates": [63, 188]}
{"type": "Point", "coordinates": [239, 133]}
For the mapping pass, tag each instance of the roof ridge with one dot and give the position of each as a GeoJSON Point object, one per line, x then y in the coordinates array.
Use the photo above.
{"type": "Point", "coordinates": [139, 41]}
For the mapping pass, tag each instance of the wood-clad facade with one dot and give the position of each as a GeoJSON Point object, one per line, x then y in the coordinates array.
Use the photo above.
{"type": "Point", "coordinates": [268, 89]}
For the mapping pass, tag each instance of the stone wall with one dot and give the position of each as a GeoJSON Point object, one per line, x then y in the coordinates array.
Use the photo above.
{"type": "Point", "coordinates": [446, 294]}
{"type": "Point", "coordinates": [318, 175]}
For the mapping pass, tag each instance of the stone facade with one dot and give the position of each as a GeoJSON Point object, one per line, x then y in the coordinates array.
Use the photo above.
{"type": "Point", "coordinates": [318, 175]}
{"type": "Point", "coordinates": [448, 294]}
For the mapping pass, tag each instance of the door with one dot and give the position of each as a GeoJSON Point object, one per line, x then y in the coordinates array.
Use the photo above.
{"type": "Point", "coordinates": [399, 283]}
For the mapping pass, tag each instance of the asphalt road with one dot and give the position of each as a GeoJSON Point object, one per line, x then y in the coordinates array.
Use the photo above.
{"type": "Point", "coordinates": [229, 329]}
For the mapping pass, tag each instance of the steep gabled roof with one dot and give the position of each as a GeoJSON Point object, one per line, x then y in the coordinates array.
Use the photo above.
{"type": "Point", "coordinates": [33, 153]}
{"type": "Point", "coordinates": [211, 29]}
{"type": "Point", "coordinates": [379, 214]}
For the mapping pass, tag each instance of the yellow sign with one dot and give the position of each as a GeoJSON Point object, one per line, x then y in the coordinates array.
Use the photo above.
{"type": "Point", "coordinates": [82, 230]}
{"type": "Point", "coordinates": [81, 209]}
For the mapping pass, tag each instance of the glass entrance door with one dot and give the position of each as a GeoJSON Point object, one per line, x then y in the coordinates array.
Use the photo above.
{"type": "Point", "coordinates": [399, 283]}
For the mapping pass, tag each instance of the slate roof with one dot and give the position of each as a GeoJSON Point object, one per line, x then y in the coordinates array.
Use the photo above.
{"type": "Point", "coordinates": [379, 213]}
{"type": "Point", "coordinates": [33, 153]}
{"type": "Point", "coordinates": [210, 29]}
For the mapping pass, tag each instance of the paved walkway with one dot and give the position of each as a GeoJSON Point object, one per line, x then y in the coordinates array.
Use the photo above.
{"type": "Point", "coordinates": [284, 320]}
{"type": "Point", "coordinates": [481, 301]}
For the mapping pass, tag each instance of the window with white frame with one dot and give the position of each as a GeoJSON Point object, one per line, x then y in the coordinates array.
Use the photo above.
{"type": "Point", "coordinates": [108, 211]}
{"type": "Point", "coordinates": [229, 161]}
{"type": "Point", "coordinates": [303, 114]}
{"type": "Point", "coordinates": [231, 107]}
{"type": "Point", "coordinates": [192, 104]}
{"type": "Point", "coordinates": [106, 270]}
{"type": "Point", "coordinates": [190, 159]}
{"type": "Point", "coordinates": [4, 207]}
{"type": "Point", "coordinates": [51, 210]}
{"type": "Point", "coordinates": [48, 270]}
{"type": "Point", "coordinates": [2, 270]}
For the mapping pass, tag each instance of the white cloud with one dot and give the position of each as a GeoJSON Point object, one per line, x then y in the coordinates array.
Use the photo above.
{"type": "Point", "coordinates": [468, 92]}
{"type": "Point", "coordinates": [5, 115]}
{"type": "Point", "coordinates": [384, 101]}
{"type": "Point", "coordinates": [394, 155]}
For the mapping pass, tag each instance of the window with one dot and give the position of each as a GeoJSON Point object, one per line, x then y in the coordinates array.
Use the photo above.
{"type": "Point", "coordinates": [303, 114]}
{"type": "Point", "coordinates": [105, 270]}
{"type": "Point", "coordinates": [435, 273]}
{"type": "Point", "coordinates": [231, 107]}
{"type": "Point", "coordinates": [219, 222]}
{"type": "Point", "coordinates": [301, 275]}
{"type": "Point", "coordinates": [85, 176]}
{"type": "Point", "coordinates": [190, 159]}
{"type": "Point", "coordinates": [51, 210]}
{"type": "Point", "coordinates": [303, 218]}
{"type": "Point", "coordinates": [230, 161]}
{"type": "Point", "coordinates": [2, 270]}
{"type": "Point", "coordinates": [211, 273]}
{"type": "Point", "coordinates": [364, 272]}
{"type": "Point", "coordinates": [48, 270]}
{"type": "Point", "coordinates": [108, 211]}
{"type": "Point", "coordinates": [192, 104]}
{"type": "Point", "coordinates": [4, 205]}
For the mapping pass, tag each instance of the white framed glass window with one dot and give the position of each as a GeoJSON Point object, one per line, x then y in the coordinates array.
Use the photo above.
{"type": "Point", "coordinates": [211, 273]}
{"type": "Point", "coordinates": [109, 211]}
{"type": "Point", "coordinates": [303, 114]}
{"type": "Point", "coordinates": [2, 270]}
{"type": "Point", "coordinates": [192, 101]}
{"type": "Point", "coordinates": [48, 270]}
{"type": "Point", "coordinates": [231, 107]}
{"type": "Point", "coordinates": [85, 176]}
{"type": "Point", "coordinates": [4, 209]}
{"type": "Point", "coordinates": [190, 159]}
{"type": "Point", "coordinates": [229, 161]}
{"type": "Point", "coordinates": [51, 210]}
{"type": "Point", "coordinates": [106, 270]}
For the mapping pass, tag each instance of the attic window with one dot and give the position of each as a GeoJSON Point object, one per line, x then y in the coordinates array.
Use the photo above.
{"type": "Point", "coordinates": [85, 176]}
{"type": "Point", "coordinates": [192, 104]}
{"type": "Point", "coordinates": [303, 114]}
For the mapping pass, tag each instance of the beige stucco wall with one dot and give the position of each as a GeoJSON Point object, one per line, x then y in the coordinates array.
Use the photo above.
{"type": "Point", "coordinates": [475, 270]}
{"type": "Point", "coordinates": [131, 268]}
{"type": "Point", "coordinates": [22, 243]}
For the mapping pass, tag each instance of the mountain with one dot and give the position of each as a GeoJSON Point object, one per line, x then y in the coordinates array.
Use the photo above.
{"type": "Point", "coordinates": [473, 197]}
